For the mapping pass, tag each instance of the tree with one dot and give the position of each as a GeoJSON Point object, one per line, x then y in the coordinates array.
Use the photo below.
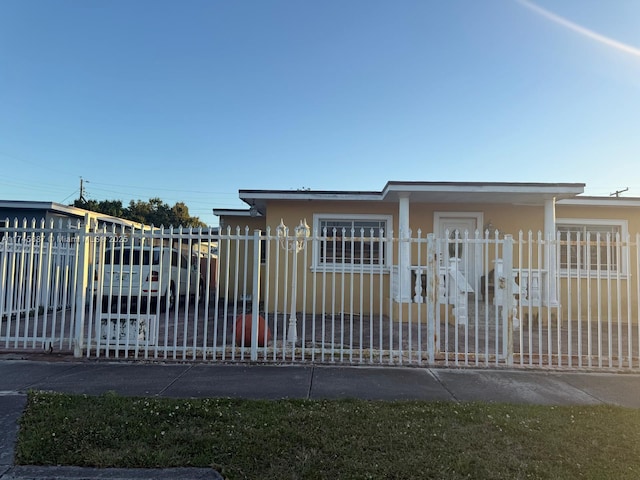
{"type": "Point", "coordinates": [154, 212]}
{"type": "Point", "coordinates": [108, 207]}
{"type": "Point", "coordinates": [180, 215]}
{"type": "Point", "coordinates": [112, 207]}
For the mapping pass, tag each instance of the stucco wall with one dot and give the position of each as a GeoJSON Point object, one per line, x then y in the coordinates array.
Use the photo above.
{"type": "Point", "coordinates": [508, 219]}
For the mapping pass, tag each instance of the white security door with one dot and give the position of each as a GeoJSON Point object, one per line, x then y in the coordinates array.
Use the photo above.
{"type": "Point", "coordinates": [450, 224]}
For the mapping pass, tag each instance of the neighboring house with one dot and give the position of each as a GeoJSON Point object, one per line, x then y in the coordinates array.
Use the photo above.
{"type": "Point", "coordinates": [414, 209]}
{"type": "Point", "coordinates": [67, 218]}
{"type": "Point", "coordinates": [61, 222]}
{"type": "Point", "coordinates": [49, 232]}
{"type": "Point", "coordinates": [30, 211]}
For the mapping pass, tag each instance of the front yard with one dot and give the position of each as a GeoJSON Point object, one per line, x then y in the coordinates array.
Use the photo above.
{"type": "Point", "coordinates": [332, 439]}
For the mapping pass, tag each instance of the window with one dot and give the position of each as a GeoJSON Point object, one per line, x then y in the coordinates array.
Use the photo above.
{"type": "Point", "coordinates": [127, 257]}
{"type": "Point", "coordinates": [351, 240]}
{"type": "Point", "coordinates": [592, 245]}
{"type": "Point", "coordinates": [143, 256]}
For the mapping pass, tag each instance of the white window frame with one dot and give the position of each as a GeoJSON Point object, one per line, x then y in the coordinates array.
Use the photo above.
{"type": "Point", "coordinates": [587, 222]}
{"type": "Point", "coordinates": [319, 265]}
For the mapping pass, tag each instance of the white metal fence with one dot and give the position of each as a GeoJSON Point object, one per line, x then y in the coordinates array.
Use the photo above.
{"type": "Point", "coordinates": [38, 277]}
{"type": "Point", "coordinates": [333, 297]}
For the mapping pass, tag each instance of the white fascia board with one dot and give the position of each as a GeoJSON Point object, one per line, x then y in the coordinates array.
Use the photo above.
{"type": "Point", "coordinates": [72, 210]}
{"type": "Point", "coordinates": [600, 202]}
{"type": "Point", "coordinates": [572, 189]}
{"type": "Point", "coordinates": [309, 196]}
{"type": "Point", "coordinates": [26, 204]}
{"type": "Point", "coordinates": [68, 210]}
{"type": "Point", "coordinates": [51, 206]}
{"type": "Point", "coordinates": [231, 212]}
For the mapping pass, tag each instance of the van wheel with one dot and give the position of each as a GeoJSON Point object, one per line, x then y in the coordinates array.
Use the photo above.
{"type": "Point", "coordinates": [172, 299]}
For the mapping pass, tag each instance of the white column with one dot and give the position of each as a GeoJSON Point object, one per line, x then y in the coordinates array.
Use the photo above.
{"type": "Point", "coordinates": [550, 257]}
{"type": "Point", "coordinates": [404, 256]}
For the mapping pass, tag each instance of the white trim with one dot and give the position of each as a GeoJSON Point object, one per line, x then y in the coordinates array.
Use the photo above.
{"type": "Point", "coordinates": [427, 192]}
{"type": "Point", "coordinates": [308, 195]}
{"type": "Point", "coordinates": [490, 187]}
{"type": "Point", "coordinates": [438, 216]}
{"type": "Point", "coordinates": [623, 224]}
{"type": "Point", "coordinates": [220, 212]}
{"type": "Point", "coordinates": [78, 213]}
{"type": "Point", "coordinates": [352, 216]}
{"type": "Point", "coordinates": [600, 202]}
{"type": "Point", "coordinates": [37, 205]}
{"type": "Point", "coordinates": [317, 265]}
{"type": "Point", "coordinates": [585, 222]}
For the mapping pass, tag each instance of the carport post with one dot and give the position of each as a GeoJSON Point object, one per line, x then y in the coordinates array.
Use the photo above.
{"type": "Point", "coordinates": [255, 295]}
{"type": "Point", "coordinates": [82, 282]}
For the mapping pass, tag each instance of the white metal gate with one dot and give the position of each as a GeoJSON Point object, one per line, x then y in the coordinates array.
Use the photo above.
{"type": "Point", "coordinates": [270, 297]}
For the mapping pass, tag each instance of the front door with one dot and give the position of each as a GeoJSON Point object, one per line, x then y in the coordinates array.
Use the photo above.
{"type": "Point", "coordinates": [469, 254]}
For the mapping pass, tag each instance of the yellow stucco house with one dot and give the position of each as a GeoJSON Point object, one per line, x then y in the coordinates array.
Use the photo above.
{"type": "Point", "coordinates": [562, 243]}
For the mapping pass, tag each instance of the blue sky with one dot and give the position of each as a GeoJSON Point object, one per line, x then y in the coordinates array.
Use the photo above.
{"type": "Point", "coordinates": [192, 100]}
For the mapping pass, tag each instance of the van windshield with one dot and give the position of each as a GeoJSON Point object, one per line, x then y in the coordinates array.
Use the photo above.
{"type": "Point", "coordinates": [113, 256]}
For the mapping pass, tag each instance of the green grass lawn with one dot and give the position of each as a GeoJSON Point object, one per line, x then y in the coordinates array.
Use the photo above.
{"type": "Point", "coordinates": [332, 439]}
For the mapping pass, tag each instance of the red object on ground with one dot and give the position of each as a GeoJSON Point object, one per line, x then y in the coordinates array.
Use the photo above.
{"type": "Point", "coordinates": [243, 330]}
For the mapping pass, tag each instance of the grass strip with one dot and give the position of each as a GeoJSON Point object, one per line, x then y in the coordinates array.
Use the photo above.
{"type": "Point", "coordinates": [331, 439]}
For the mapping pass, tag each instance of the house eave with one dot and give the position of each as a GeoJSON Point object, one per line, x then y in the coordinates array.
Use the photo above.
{"type": "Point", "coordinates": [427, 192]}
{"type": "Point", "coordinates": [38, 205]}
{"type": "Point", "coordinates": [247, 195]}
{"type": "Point", "coordinates": [481, 192]}
{"type": "Point", "coordinates": [601, 201]}
{"type": "Point", "coordinates": [235, 212]}
{"type": "Point", "coordinates": [59, 208]}
{"type": "Point", "coordinates": [259, 198]}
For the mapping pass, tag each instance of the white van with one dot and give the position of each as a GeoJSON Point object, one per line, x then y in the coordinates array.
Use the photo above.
{"type": "Point", "coordinates": [149, 276]}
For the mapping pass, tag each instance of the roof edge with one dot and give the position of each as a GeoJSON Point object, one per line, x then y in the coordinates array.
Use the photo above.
{"type": "Point", "coordinates": [497, 187]}
{"type": "Point", "coordinates": [601, 201]}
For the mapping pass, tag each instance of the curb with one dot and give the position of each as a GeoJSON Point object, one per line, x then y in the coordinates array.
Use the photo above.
{"type": "Point", "coordinates": [27, 472]}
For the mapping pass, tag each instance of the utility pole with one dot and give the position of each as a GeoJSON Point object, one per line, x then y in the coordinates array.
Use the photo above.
{"type": "Point", "coordinates": [618, 192]}
{"type": "Point", "coordinates": [82, 199]}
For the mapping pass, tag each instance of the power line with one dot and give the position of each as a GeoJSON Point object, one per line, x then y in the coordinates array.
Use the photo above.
{"type": "Point", "coordinates": [165, 189]}
{"type": "Point", "coordinates": [67, 198]}
{"type": "Point", "coordinates": [207, 201]}
{"type": "Point", "coordinates": [35, 163]}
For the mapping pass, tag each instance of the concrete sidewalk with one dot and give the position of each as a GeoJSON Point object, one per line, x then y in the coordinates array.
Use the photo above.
{"type": "Point", "coordinates": [273, 382]}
